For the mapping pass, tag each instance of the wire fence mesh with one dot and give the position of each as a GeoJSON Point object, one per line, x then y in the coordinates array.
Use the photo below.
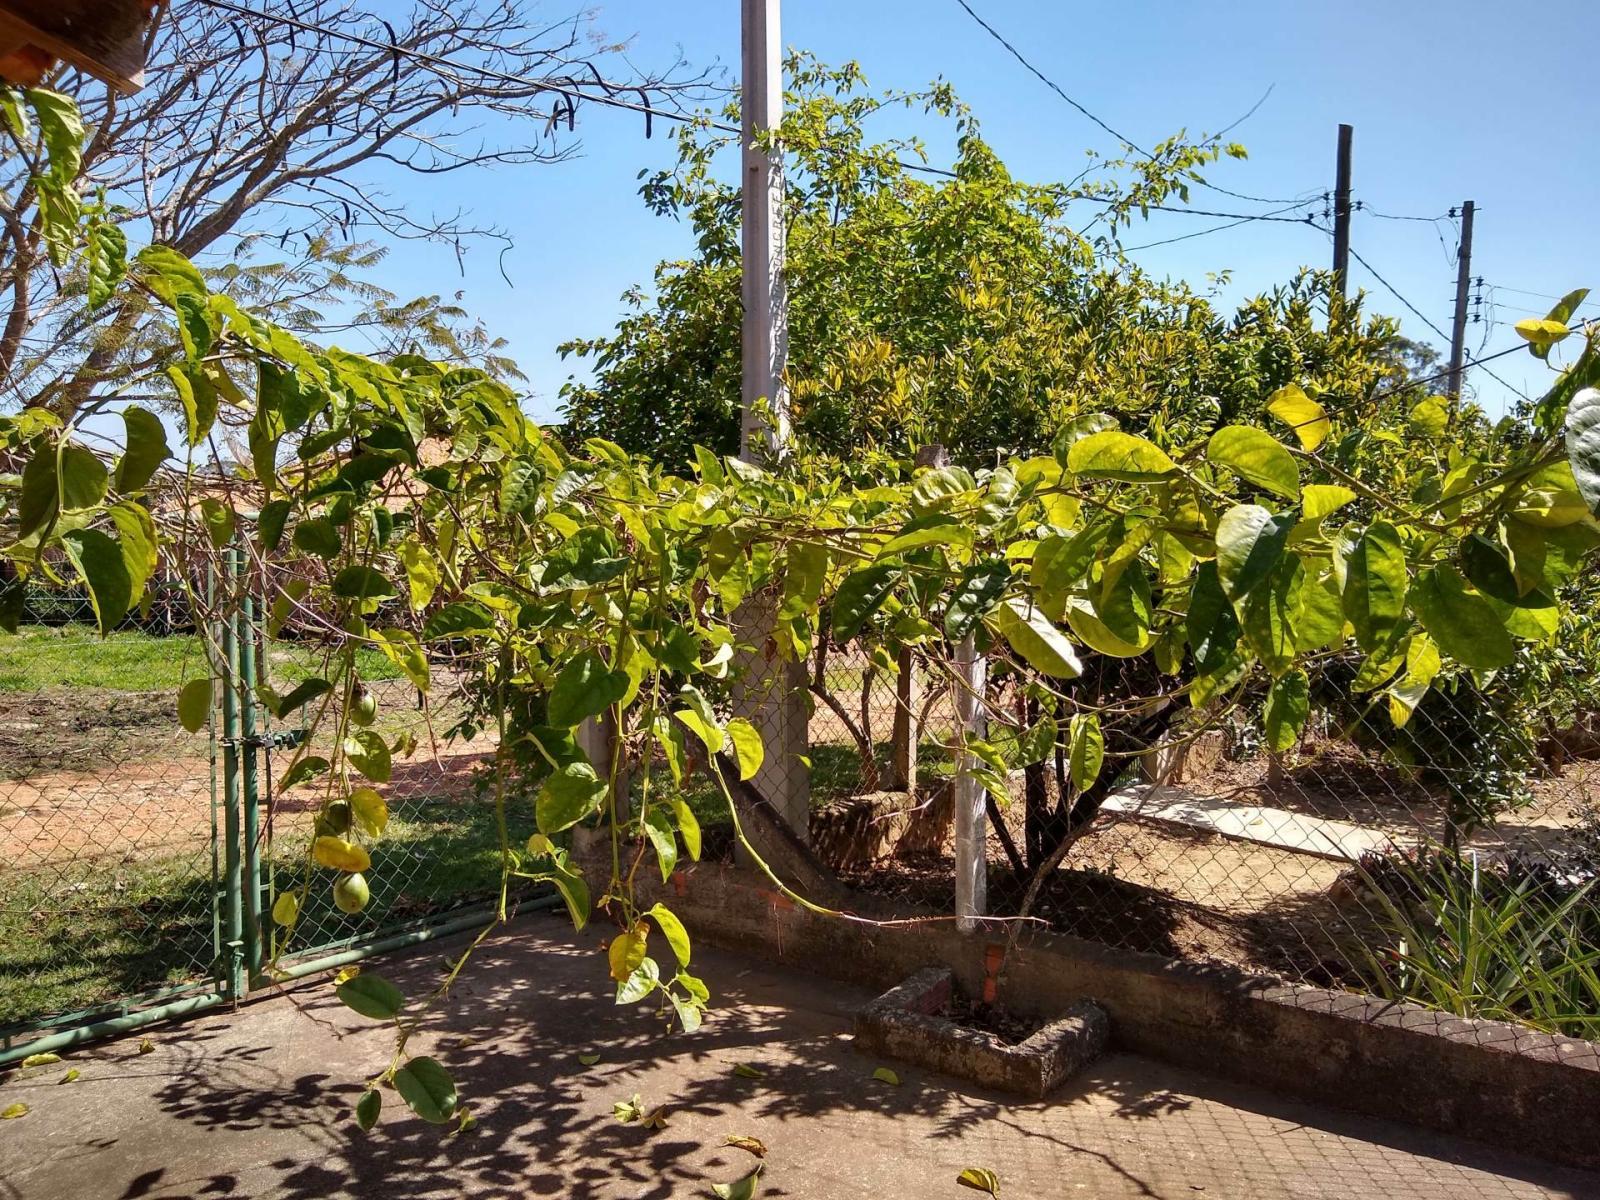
{"type": "Point", "coordinates": [108, 876]}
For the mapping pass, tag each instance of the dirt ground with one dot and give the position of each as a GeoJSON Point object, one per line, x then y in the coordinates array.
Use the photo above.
{"type": "Point", "coordinates": [258, 1104]}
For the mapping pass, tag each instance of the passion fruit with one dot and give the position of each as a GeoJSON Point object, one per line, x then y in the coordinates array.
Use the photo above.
{"type": "Point", "coordinates": [363, 708]}
{"type": "Point", "coordinates": [350, 894]}
{"type": "Point", "coordinates": [335, 819]}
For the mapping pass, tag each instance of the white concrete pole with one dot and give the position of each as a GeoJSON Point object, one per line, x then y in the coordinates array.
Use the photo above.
{"type": "Point", "coordinates": [971, 818]}
{"type": "Point", "coordinates": [765, 344]}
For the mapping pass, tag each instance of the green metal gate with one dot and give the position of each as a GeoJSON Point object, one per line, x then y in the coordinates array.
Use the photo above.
{"type": "Point", "coordinates": [190, 908]}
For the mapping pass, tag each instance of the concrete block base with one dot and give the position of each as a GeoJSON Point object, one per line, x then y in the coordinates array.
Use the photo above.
{"type": "Point", "coordinates": [909, 1023]}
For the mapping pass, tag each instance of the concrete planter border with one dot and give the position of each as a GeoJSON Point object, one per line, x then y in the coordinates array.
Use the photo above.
{"type": "Point", "coordinates": [908, 1023]}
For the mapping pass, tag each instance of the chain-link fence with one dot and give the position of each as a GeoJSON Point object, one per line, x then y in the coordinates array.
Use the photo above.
{"type": "Point", "coordinates": [139, 863]}
{"type": "Point", "coordinates": [1450, 858]}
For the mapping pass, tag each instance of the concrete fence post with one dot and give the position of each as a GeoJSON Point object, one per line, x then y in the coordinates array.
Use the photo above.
{"type": "Point", "coordinates": [971, 819]}
{"type": "Point", "coordinates": [908, 686]}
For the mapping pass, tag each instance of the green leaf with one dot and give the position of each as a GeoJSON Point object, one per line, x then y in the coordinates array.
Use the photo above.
{"type": "Point", "coordinates": [938, 529]}
{"type": "Point", "coordinates": [658, 828]}
{"type": "Point", "coordinates": [1256, 456]}
{"type": "Point", "coordinates": [306, 768]}
{"type": "Point", "coordinates": [569, 881]}
{"type": "Point", "coordinates": [644, 979]}
{"type": "Point", "coordinates": [84, 478]}
{"type": "Point", "coordinates": [357, 582]}
{"type": "Point", "coordinates": [1266, 616]}
{"type": "Point", "coordinates": [368, 1108]}
{"type": "Point", "coordinates": [1583, 445]}
{"type": "Point", "coordinates": [938, 487]}
{"type": "Point", "coordinates": [688, 827]}
{"type": "Point", "coordinates": [586, 687]}
{"type": "Point", "coordinates": [747, 744]}
{"type": "Point", "coordinates": [37, 501]}
{"type": "Point", "coordinates": [99, 562]}
{"type": "Point", "coordinates": [372, 996]}
{"type": "Point", "coordinates": [1302, 414]}
{"type": "Point", "coordinates": [304, 693]}
{"type": "Point", "coordinates": [1075, 430]}
{"type": "Point", "coordinates": [458, 620]}
{"type": "Point", "coordinates": [519, 486]}
{"type": "Point", "coordinates": [1462, 623]}
{"type": "Point", "coordinates": [672, 929]}
{"type": "Point", "coordinates": [1288, 706]}
{"type": "Point", "coordinates": [1036, 639]}
{"type": "Point", "coordinates": [704, 726]}
{"type": "Point", "coordinates": [1112, 454]}
{"type": "Point", "coordinates": [886, 1075]}
{"type": "Point", "coordinates": [427, 1089]}
{"type": "Point", "coordinates": [199, 401]}
{"type": "Point", "coordinates": [1250, 541]}
{"type": "Point", "coordinates": [739, 1189]}
{"type": "Point", "coordinates": [61, 129]}
{"type": "Point", "coordinates": [270, 524]}
{"type": "Point", "coordinates": [105, 253]}
{"type": "Point", "coordinates": [146, 449]}
{"type": "Point", "coordinates": [169, 274]}
{"type": "Point", "coordinates": [319, 536]}
{"type": "Point", "coordinates": [1375, 585]}
{"type": "Point", "coordinates": [1211, 626]}
{"type": "Point", "coordinates": [136, 534]}
{"type": "Point", "coordinates": [369, 754]}
{"type": "Point", "coordinates": [1086, 750]}
{"type": "Point", "coordinates": [218, 520]}
{"type": "Point", "coordinates": [60, 211]}
{"type": "Point", "coordinates": [976, 593]}
{"type": "Point", "coordinates": [568, 796]}
{"type": "Point", "coordinates": [860, 595]}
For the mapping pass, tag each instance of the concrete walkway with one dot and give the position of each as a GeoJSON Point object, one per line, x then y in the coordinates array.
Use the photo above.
{"type": "Point", "coordinates": [258, 1105]}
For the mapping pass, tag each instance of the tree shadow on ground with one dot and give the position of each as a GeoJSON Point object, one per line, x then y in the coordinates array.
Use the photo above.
{"type": "Point", "coordinates": [512, 1032]}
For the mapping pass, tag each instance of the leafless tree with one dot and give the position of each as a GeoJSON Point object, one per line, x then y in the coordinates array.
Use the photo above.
{"type": "Point", "coordinates": [259, 134]}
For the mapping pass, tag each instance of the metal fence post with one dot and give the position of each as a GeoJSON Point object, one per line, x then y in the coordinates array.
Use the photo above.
{"type": "Point", "coordinates": [250, 750]}
{"type": "Point", "coordinates": [971, 821]}
{"type": "Point", "coordinates": [233, 913]}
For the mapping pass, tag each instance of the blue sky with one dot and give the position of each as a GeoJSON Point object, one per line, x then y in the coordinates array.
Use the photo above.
{"type": "Point", "coordinates": [1450, 101]}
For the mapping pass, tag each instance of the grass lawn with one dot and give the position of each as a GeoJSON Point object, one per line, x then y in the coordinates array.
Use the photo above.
{"type": "Point", "coordinates": [94, 933]}
{"type": "Point", "coordinates": [75, 656]}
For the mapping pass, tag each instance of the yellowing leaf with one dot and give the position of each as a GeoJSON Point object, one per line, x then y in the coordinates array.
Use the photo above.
{"type": "Point", "coordinates": [885, 1075]}
{"type": "Point", "coordinates": [1541, 333]}
{"type": "Point", "coordinates": [1300, 413]}
{"type": "Point", "coordinates": [370, 812]}
{"type": "Point", "coordinates": [1318, 500]}
{"type": "Point", "coordinates": [747, 744]}
{"type": "Point", "coordinates": [980, 1179]}
{"type": "Point", "coordinates": [588, 1060]}
{"type": "Point", "coordinates": [1256, 456]}
{"type": "Point", "coordinates": [339, 854]}
{"type": "Point", "coordinates": [12, 1111]}
{"type": "Point", "coordinates": [754, 1145]}
{"type": "Point", "coordinates": [286, 909]}
{"type": "Point", "coordinates": [1431, 417]}
{"type": "Point", "coordinates": [746, 1071]}
{"type": "Point", "coordinates": [627, 951]}
{"type": "Point", "coordinates": [1111, 454]}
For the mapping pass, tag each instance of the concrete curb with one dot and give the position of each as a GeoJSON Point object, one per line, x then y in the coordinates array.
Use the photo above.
{"type": "Point", "coordinates": [1503, 1084]}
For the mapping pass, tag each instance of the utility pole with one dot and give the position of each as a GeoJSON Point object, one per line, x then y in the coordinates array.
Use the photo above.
{"type": "Point", "coordinates": [765, 343]}
{"type": "Point", "coordinates": [767, 691]}
{"type": "Point", "coordinates": [1458, 331]}
{"type": "Point", "coordinates": [1341, 212]}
